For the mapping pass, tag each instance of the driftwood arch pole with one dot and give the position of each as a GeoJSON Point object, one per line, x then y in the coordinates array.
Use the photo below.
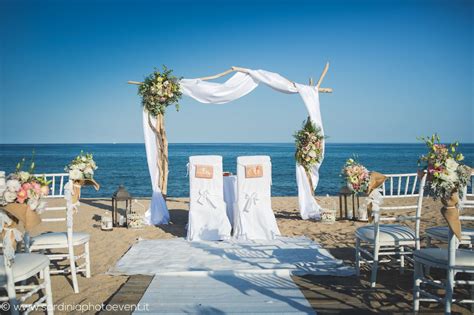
{"type": "Point", "coordinates": [160, 131]}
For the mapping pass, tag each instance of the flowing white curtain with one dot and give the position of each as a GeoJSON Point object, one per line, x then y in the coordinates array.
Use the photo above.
{"type": "Point", "coordinates": [238, 85]}
{"type": "Point", "coordinates": [158, 212]}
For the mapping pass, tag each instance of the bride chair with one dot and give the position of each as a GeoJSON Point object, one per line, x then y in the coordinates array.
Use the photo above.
{"type": "Point", "coordinates": [254, 218]}
{"type": "Point", "coordinates": [60, 246]}
{"type": "Point", "coordinates": [207, 210]}
{"type": "Point", "coordinates": [16, 270]}
{"type": "Point", "coordinates": [392, 240]}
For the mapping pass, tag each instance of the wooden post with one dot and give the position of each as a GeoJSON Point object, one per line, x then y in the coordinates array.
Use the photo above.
{"type": "Point", "coordinates": [162, 152]}
{"type": "Point", "coordinates": [164, 157]}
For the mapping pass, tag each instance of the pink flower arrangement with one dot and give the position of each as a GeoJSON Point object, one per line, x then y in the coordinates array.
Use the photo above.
{"type": "Point", "coordinates": [356, 176]}
{"type": "Point", "coordinates": [24, 188]}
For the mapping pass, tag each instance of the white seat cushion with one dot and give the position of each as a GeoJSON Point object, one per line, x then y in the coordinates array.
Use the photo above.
{"type": "Point", "coordinates": [439, 256]}
{"type": "Point", "coordinates": [25, 266]}
{"type": "Point", "coordinates": [58, 239]}
{"type": "Point", "coordinates": [441, 233]}
{"type": "Point", "coordinates": [388, 233]}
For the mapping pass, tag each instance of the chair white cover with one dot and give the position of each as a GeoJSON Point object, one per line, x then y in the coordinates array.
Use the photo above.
{"type": "Point", "coordinates": [253, 216]}
{"type": "Point", "coordinates": [207, 209]}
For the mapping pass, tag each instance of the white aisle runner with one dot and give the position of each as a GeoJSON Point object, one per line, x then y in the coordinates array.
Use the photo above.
{"type": "Point", "coordinates": [231, 277]}
{"type": "Point", "coordinates": [225, 294]}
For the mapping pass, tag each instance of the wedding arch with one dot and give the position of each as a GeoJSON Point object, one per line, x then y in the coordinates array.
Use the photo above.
{"type": "Point", "coordinates": [240, 84]}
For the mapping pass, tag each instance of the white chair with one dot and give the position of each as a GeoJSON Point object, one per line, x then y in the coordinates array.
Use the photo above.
{"type": "Point", "coordinates": [207, 210]}
{"type": "Point", "coordinates": [454, 261]}
{"type": "Point", "coordinates": [15, 272]}
{"type": "Point", "coordinates": [60, 246]}
{"type": "Point", "coordinates": [394, 241]}
{"type": "Point", "coordinates": [253, 217]}
{"type": "Point", "coordinates": [440, 233]}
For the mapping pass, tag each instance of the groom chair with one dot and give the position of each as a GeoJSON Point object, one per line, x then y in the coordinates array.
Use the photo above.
{"type": "Point", "coordinates": [254, 218]}
{"type": "Point", "coordinates": [207, 210]}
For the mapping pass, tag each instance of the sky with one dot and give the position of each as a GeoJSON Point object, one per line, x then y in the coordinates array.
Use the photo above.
{"type": "Point", "coordinates": [399, 69]}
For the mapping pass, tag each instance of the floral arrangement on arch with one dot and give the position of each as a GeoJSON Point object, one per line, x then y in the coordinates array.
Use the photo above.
{"type": "Point", "coordinates": [309, 145]}
{"type": "Point", "coordinates": [445, 172]}
{"type": "Point", "coordinates": [160, 90]}
{"type": "Point", "coordinates": [24, 188]}
{"type": "Point", "coordinates": [82, 167]}
{"type": "Point", "coordinates": [356, 176]}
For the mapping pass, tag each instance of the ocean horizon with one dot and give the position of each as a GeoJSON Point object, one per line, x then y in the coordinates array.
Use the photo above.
{"type": "Point", "coordinates": [125, 163]}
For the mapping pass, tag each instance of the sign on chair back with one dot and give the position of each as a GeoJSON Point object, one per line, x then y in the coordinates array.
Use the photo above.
{"type": "Point", "coordinates": [254, 218]}
{"type": "Point", "coordinates": [207, 209]}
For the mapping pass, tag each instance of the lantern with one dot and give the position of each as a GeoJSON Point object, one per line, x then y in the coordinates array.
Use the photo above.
{"type": "Point", "coordinates": [343, 194]}
{"type": "Point", "coordinates": [121, 199]}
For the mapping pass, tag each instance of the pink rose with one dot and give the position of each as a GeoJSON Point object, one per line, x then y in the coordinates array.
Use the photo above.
{"type": "Point", "coordinates": [21, 195]}
{"type": "Point", "coordinates": [37, 188]}
{"type": "Point", "coordinates": [26, 186]}
{"type": "Point", "coordinates": [44, 190]}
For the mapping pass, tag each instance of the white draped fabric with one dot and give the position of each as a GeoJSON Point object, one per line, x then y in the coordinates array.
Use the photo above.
{"type": "Point", "coordinates": [238, 85]}
{"type": "Point", "coordinates": [158, 212]}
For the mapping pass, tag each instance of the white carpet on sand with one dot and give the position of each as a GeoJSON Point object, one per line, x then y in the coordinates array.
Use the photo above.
{"type": "Point", "coordinates": [224, 294]}
{"type": "Point", "coordinates": [180, 257]}
{"type": "Point", "coordinates": [231, 277]}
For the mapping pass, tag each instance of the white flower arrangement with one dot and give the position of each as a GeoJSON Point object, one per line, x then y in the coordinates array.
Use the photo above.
{"type": "Point", "coordinates": [82, 167]}
{"type": "Point", "coordinates": [135, 220]}
{"type": "Point", "coordinates": [446, 173]}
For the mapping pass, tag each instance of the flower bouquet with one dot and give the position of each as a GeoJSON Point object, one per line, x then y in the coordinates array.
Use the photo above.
{"type": "Point", "coordinates": [24, 195]}
{"type": "Point", "coordinates": [81, 173]}
{"type": "Point", "coordinates": [160, 90]}
{"type": "Point", "coordinates": [356, 176]}
{"type": "Point", "coordinates": [135, 220]}
{"type": "Point", "coordinates": [446, 177]}
{"type": "Point", "coordinates": [359, 180]}
{"type": "Point", "coordinates": [309, 147]}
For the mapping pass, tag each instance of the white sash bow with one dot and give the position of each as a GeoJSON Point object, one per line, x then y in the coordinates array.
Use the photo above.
{"type": "Point", "coordinates": [204, 195]}
{"type": "Point", "coordinates": [251, 201]}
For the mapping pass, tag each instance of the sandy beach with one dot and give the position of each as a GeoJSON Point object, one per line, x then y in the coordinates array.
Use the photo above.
{"type": "Point", "coordinates": [393, 293]}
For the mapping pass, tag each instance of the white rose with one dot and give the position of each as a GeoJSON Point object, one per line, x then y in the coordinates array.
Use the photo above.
{"type": "Point", "coordinates": [13, 185]}
{"type": "Point", "coordinates": [76, 174]}
{"type": "Point", "coordinates": [24, 176]}
{"type": "Point", "coordinates": [88, 172]}
{"type": "Point", "coordinates": [451, 165]}
{"type": "Point", "coordinates": [81, 166]}
{"type": "Point", "coordinates": [83, 158]}
{"type": "Point", "coordinates": [9, 196]}
{"type": "Point", "coordinates": [449, 176]}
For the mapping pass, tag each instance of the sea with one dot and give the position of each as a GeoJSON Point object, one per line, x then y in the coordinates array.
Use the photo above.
{"type": "Point", "coordinates": [125, 164]}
